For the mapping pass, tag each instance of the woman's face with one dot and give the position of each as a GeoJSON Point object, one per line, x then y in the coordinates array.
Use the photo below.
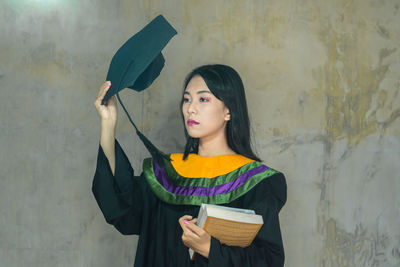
{"type": "Point", "coordinates": [205, 115]}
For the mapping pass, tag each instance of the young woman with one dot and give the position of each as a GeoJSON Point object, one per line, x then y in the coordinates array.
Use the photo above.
{"type": "Point", "coordinates": [217, 167]}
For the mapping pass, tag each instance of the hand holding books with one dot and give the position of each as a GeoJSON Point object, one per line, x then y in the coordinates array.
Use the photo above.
{"type": "Point", "coordinates": [231, 226]}
{"type": "Point", "coordinates": [195, 237]}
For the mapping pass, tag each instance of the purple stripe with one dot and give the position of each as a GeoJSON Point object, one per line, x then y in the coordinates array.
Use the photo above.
{"type": "Point", "coordinates": [163, 179]}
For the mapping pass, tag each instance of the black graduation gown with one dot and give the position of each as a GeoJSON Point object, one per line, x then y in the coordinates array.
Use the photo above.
{"type": "Point", "coordinates": [129, 204]}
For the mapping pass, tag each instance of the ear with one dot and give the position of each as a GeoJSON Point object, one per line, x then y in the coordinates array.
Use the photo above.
{"type": "Point", "coordinates": [227, 114]}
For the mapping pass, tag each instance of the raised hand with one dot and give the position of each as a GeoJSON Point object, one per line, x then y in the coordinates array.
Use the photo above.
{"type": "Point", "coordinates": [108, 111]}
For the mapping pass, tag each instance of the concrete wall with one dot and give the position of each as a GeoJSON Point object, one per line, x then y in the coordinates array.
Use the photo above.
{"type": "Point", "coordinates": [322, 81]}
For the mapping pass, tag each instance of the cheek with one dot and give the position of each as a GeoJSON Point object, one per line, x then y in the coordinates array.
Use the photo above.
{"type": "Point", "coordinates": [183, 110]}
{"type": "Point", "coordinates": [217, 113]}
{"type": "Point", "coordinates": [215, 118]}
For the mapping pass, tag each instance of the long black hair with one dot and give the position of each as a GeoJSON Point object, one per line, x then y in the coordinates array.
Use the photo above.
{"type": "Point", "coordinates": [226, 85]}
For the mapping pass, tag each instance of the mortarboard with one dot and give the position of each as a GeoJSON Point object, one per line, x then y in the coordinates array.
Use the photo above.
{"type": "Point", "coordinates": [137, 63]}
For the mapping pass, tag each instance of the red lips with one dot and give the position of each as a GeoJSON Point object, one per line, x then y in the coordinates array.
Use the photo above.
{"type": "Point", "coordinates": [191, 122]}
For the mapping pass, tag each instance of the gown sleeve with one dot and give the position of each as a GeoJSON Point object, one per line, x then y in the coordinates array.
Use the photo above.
{"type": "Point", "coordinates": [267, 248]}
{"type": "Point", "coordinates": [119, 196]}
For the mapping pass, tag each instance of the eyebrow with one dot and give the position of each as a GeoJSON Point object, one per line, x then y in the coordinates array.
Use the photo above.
{"type": "Point", "coordinates": [198, 92]}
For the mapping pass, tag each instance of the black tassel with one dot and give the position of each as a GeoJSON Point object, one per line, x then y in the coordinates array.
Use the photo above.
{"type": "Point", "coordinates": [157, 154]}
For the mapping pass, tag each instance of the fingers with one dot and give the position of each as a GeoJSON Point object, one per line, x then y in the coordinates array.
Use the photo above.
{"type": "Point", "coordinates": [190, 230]}
{"type": "Point", "coordinates": [182, 222]}
{"type": "Point", "coordinates": [195, 237]}
{"type": "Point", "coordinates": [103, 89]}
{"type": "Point", "coordinates": [194, 228]}
{"type": "Point", "coordinates": [102, 92]}
{"type": "Point", "coordinates": [185, 217]}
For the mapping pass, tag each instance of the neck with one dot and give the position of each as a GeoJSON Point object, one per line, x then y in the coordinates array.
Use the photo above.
{"type": "Point", "coordinates": [216, 146]}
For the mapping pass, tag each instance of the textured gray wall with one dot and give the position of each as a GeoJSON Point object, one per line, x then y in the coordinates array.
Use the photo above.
{"type": "Point", "coordinates": [322, 79]}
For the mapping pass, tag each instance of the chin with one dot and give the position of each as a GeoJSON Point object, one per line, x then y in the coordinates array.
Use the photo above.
{"type": "Point", "coordinates": [194, 134]}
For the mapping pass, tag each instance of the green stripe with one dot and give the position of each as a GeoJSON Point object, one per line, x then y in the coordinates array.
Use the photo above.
{"type": "Point", "coordinates": [207, 182]}
{"type": "Point", "coordinates": [168, 197]}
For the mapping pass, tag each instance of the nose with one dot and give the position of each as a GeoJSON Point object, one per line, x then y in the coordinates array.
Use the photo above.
{"type": "Point", "coordinates": [192, 108]}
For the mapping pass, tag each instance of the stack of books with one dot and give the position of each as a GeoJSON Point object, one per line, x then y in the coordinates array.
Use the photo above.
{"type": "Point", "coordinates": [231, 226]}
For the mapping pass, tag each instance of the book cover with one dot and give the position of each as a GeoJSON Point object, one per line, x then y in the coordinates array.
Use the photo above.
{"type": "Point", "coordinates": [231, 226]}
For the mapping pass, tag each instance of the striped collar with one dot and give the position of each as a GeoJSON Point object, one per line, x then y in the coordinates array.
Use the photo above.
{"type": "Point", "coordinates": [169, 184]}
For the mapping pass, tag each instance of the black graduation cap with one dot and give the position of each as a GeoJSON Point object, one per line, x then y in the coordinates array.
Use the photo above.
{"type": "Point", "coordinates": [137, 63]}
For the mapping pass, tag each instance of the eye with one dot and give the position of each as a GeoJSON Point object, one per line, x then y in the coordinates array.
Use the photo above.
{"type": "Point", "coordinates": [185, 100]}
{"type": "Point", "coordinates": [204, 99]}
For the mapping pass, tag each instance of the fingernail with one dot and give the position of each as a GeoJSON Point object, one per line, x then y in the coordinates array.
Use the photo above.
{"type": "Point", "coordinates": [185, 221]}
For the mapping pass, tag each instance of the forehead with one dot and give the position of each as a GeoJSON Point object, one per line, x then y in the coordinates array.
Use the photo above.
{"type": "Point", "coordinates": [197, 84]}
